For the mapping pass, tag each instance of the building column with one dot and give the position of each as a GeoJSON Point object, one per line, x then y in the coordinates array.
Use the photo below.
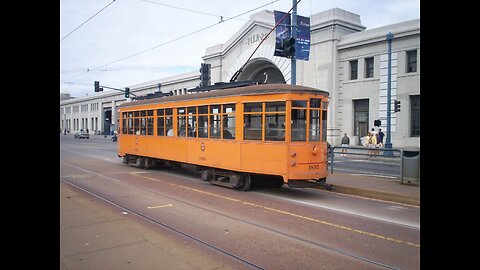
{"type": "Point", "coordinates": [100, 117]}
{"type": "Point", "coordinates": [114, 115]}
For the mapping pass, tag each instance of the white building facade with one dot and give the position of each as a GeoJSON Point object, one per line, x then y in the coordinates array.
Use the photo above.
{"type": "Point", "coordinates": [345, 60]}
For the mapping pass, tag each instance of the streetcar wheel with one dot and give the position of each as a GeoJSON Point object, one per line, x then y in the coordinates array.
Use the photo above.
{"type": "Point", "coordinates": [206, 175]}
{"type": "Point", "coordinates": [139, 162]}
{"type": "Point", "coordinates": [236, 181]}
{"type": "Point", "coordinates": [247, 182]}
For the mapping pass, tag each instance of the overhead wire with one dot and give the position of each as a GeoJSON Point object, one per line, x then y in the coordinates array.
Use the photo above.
{"type": "Point", "coordinates": [168, 42]}
{"type": "Point", "coordinates": [87, 20]}
{"type": "Point", "coordinates": [181, 8]}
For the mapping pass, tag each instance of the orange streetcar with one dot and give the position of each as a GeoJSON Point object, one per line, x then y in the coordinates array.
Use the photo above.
{"type": "Point", "coordinates": [275, 133]}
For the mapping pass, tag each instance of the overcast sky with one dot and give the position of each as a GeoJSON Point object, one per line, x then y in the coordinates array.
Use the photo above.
{"type": "Point", "coordinates": [129, 42]}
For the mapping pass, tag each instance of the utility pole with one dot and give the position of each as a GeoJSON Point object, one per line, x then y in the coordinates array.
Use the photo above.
{"type": "Point", "coordinates": [294, 36]}
{"type": "Point", "coordinates": [388, 143]}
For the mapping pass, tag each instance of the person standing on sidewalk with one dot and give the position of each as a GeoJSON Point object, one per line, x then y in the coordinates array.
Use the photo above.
{"type": "Point", "coordinates": [380, 136]}
{"type": "Point", "coordinates": [345, 142]}
{"type": "Point", "coordinates": [371, 142]}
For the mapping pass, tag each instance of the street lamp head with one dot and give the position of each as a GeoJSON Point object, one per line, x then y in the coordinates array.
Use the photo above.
{"type": "Point", "coordinates": [389, 36]}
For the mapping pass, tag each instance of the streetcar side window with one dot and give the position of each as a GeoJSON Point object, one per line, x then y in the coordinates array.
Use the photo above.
{"type": "Point", "coordinates": [143, 123]}
{"type": "Point", "coordinates": [203, 121]}
{"type": "Point", "coordinates": [181, 123]}
{"type": "Point", "coordinates": [275, 121]}
{"type": "Point", "coordinates": [136, 122]}
{"type": "Point", "coordinates": [130, 123]}
{"type": "Point", "coordinates": [215, 128]}
{"type": "Point", "coordinates": [169, 122]}
{"type": "Point", "coordinates": [228, 116]}
{"type": "Point", "coordinates": [124, 123]}
{"type": "Point", "coordinates": [192, 121]}
{"type": "Point", "coordinates": [150, 122]}
{"type": "Point", "coordinates": [160, 122]}
{"type": "Point", "coordinates": [252, 121]}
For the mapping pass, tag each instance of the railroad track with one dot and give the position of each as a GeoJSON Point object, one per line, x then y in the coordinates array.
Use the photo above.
{"type": "Point", "coordinates": [204, 243]}
{"type": "Point", "coordinates": [171, 229]}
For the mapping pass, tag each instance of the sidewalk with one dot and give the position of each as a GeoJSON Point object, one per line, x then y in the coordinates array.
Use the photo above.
{"type": "Point", "coordinates": [375, 188]}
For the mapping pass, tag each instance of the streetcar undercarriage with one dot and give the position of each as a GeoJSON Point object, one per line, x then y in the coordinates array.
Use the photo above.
{"type": "Point", "coordinates": [225, 178]}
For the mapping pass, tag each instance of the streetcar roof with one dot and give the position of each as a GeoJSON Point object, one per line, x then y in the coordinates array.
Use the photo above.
{"type": "Point", "coordinates": [259, 89]}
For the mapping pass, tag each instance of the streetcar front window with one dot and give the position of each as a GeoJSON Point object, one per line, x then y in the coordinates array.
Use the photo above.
{"type": "Point", "coordinates": [324, 125]}
{"type": "Point", "coordinates": [299, 121]}
{"type": "Point", "coordinates": [314, 125]}
{"type": "Point", "coordinates": [314, 119]}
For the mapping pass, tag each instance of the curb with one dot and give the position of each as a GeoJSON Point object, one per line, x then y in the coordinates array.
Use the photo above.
{"type": "Point", "coordinates": [373, 194]}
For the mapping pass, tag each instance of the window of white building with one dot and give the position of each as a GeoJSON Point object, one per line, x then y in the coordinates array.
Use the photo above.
{"type": "Point", "coordinates": [353, 69]}
{"type": "Point", "coordinates": [369, 67]}
{"type": "Point", "coordinates": [411, 61]}
{"type": "Point", "coordinates": [415, 115]}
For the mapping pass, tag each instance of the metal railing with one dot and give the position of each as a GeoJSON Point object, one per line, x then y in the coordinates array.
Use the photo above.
{"type": "Point", "coordinates": [366, 149]}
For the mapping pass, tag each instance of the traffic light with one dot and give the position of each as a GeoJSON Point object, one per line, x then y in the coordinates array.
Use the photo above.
{"type": "Point", "coordinates": [377, 123]}
{"type": "Point", "coordinates": [396, 105]}
{"type": "Point", "coordinates": [289, 47]}
{"type": "Point", "coordinates": [97, 87]}
{"type": "Point", "coordinates": [205, 74]}
{"type": "Point", "coordinates": [127, 92]}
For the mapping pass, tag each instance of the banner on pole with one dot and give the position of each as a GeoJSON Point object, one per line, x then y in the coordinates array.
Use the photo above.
{"type": "Point", "coordinates": [283, 31]}
{"type": "Point", "coordinates": [303, 38]}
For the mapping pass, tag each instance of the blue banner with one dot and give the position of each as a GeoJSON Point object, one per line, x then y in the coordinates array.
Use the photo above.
{"type": "Point", "coordinates": [303, 38]}
{"type": "Point", "coordinates": [283, 30]}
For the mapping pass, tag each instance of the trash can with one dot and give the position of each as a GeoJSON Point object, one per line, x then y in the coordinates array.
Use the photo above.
{"type": "Point", "coordinates": [411, 165]}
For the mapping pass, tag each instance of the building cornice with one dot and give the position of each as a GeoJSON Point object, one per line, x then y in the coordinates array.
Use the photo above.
{"type": "Point", "coordinates": [399, 30]}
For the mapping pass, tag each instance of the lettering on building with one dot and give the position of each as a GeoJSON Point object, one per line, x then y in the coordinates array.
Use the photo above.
{"type": "Point", "coordinates": [255, 38]}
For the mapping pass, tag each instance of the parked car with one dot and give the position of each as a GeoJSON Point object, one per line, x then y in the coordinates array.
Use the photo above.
{"type": "Point", "coordinates": [81, 135]}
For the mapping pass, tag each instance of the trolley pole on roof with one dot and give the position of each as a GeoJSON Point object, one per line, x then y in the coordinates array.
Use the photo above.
{"type": "Point", "coordinates": [294, 35]}
{"type": "Point", "coordinates": [388, 143]}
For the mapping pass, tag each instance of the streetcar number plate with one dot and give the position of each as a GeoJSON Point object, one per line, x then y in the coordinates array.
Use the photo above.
{"type": "Point", "coordinates": [314, 167]}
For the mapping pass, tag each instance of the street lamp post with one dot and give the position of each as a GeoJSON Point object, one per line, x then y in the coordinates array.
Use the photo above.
{"type": "Point", "coordinates": [293, 62]}
{"type": "Point", "coordinates": [388, 143]}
